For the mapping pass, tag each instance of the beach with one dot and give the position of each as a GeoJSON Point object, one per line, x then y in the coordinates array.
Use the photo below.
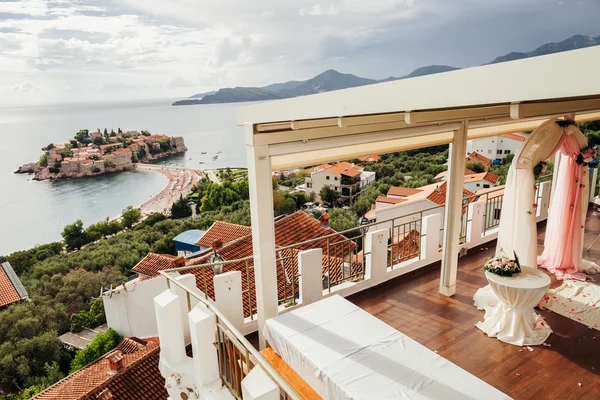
{"type": "Point", "coordinates": [181, 181]}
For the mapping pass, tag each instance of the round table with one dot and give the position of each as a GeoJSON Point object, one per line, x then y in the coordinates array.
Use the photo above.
{"type": "Point", "coordinates": [513, 320]}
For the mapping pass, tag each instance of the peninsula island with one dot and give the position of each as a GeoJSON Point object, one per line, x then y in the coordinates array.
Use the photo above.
{"type": "Point", "coordinates": [97, 153]}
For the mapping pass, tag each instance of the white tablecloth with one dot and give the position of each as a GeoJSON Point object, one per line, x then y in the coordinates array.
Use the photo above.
{"type": "Point", "coordinates": [343, 352]}
{"type": "Point", "coordinates": [512, 319]}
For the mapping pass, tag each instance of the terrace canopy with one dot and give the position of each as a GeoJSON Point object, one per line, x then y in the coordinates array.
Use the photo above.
{"type": "Point", "coordinates": [447, 108]}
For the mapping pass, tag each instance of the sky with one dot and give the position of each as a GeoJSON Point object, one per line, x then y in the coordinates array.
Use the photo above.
{"type": "Point", "coordinates": [104, 50]}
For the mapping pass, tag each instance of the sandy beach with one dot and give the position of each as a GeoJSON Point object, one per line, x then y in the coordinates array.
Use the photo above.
{"type": "Point", "coordinates": [181, 181]}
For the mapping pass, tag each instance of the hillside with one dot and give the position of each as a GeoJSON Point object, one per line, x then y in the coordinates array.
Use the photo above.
{"type": "Point", "coordinates": [334, 80]}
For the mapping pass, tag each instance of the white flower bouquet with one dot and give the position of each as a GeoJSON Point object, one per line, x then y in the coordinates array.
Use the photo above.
{"type": "Point", "coordinates": [503, 266]}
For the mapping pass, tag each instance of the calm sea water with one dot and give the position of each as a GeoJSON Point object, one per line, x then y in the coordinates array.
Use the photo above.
{"type": "Point", "coordinates": [35, 212]}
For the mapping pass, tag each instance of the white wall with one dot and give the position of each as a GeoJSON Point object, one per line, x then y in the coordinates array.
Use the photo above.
{"type": "Point", "coordinates": [478, 185]}
{"type": "Point", "coordinates": [129, 309]}
{"type": "Point", "coordinates": [490, 146]}
{"type": "Point", "coordinates": [319, 179]}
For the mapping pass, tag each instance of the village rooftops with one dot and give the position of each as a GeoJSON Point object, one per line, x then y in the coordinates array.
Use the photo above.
{"type": "Point", "coordinates": [11, 289]}
{"type": "Point", "coordinates": [345, 168]}
{"type": "Point", "coordinates": [153, 262]}
{"type": "Point", "coordinates": [471, 176]}
{"type": "Point", "coordinates": [476, 157]}
{"type": "Point", "coordinates": [390, 200]}
{"type": "Point", "coordinates": [316, 168]}
{"type": "Point", "coordinates": [130, 372]}
{"type": "Point", "coordinates": [370, 158]}
{"type": "Point", "coordinates": [402, 191]}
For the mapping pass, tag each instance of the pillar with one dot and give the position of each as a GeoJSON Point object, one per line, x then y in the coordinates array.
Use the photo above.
{"type": "Point", "coordinates": [452, 216]}
{"type": "Point", "coordinates": [430, 241]}
{"type": "Point", "coordinates": [376, 244]}
{"type": "Point", "coordinates": [310, 268]}
{"type": "Point", "coordinates": [170, 328]}
{"type": "Point", "coordinates": [202, 323]}
{"type": "Point", "coordinates": [188, 281]}
{"type": "Point", "coordinates": [475, 212]}
{"type": "Point", "coordinates": [263, 231]}
{"type": "Point", "coordinates": [228, 297]}
{"type": "Point", "coordinates": [257, 385]}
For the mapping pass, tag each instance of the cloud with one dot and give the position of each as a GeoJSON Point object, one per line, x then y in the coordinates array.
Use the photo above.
{"type": "Point", "coordinates": [153, 48]}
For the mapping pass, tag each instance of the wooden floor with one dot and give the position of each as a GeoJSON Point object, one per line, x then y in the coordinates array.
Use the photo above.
{"type": "Point", "coordinates": [569, 369]}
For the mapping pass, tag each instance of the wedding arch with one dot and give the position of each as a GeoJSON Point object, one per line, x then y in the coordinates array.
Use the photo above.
{"type": "Point", "coordinates": [563, 243]}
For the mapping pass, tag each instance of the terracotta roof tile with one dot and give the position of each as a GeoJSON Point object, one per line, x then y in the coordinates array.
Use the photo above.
{"type": "Point", "coordinates": [476, 157]}
{"type": "Point", "coordinates": [139, 378]}
{"type": "Point", "coordinates": [309, 171]}
{"type": "Point", "coordinates": [345, 168]}
{"type": "Point", "coordinates": [402, 191]}
{"type": "Point", "coordinates": [225, 232]}
{"type": "Point", "coordinates": [153, 262]}
{"type": "Point", "coordinates": [438, 195]}
{"type": "Point", "coordinates": [483, 176]}
{"type": "Point", "coordinates": [389, 200]}
{"type": "Point", "coordinates": [370, 158]}
{"type": "Point", "coordinates": [8, 291]}
{"type": "Point", "coordinates": [444, 173]}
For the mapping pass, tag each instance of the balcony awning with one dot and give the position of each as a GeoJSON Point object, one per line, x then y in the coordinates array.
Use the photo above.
{"type": "Point", "coordinates": [424, 111]}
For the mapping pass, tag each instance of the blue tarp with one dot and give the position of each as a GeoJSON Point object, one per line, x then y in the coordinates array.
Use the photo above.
{"type": "Point", "coordinates": [186, 241]}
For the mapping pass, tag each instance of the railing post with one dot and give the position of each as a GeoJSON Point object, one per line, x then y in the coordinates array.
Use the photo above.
{"type": "Point", "coordinates": [376, 249]}
{"type": "Point", "coordinates": [189, 281]}
{"type": "Point", "coordinates": [544, 204]}
{"type": "Point", "coordinates": [170, 328]}
{"type": "Point", "coordinates": [430, 232]}
{"type": "Point", "coordinates": [202, 328]}
{"type": "Point", "coordinates": [257, 385]}
{"type": "Point", "coordinates": [228, 297]}
{"type": "Point", "coordinates": [310, 269]}
{"type": "Point", "coordinates": [593, 175]}
{"type": "Point", "coordinates": [475, 212]}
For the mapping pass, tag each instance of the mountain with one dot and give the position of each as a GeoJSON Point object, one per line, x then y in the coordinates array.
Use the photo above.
{"type": "Point", "coordinates": [233, 95]}
{"type": "Point", "coordinates": [326, 82]}
{"type": "Point", "coordinates": [201, 95]}
{"type": "Point", "coordinates": [572, 43]}
{"type": "Point", "coordinates": [334, 80]}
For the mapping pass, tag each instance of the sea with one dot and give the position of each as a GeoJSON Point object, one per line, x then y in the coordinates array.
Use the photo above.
{"type": "Point", "coordinates": [33, 212]}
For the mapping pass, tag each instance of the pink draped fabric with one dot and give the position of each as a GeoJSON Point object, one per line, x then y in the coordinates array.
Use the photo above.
{"type": "Point", "coordinates": [563, 241]}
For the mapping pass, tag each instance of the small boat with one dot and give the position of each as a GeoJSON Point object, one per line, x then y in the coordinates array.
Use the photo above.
{"type": "Point", "coordinates": [201, 162]}
{"type": "Point", "coordinates": [203, 152]}
{"type": "Point", "coordinates": [190, 158]}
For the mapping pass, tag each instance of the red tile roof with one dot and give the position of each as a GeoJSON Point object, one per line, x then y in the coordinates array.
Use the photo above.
{"type": "Point", "coordinates": [225, 232]}
{"type": "Point", "coordinates": [292, 229]}
{"type": "Point", "coordinates": [345, 168]}
{"type": "Point", "coordinates": [55, 156]}
{"type": "Point", "coordinates": [153, 262]}
{"type": "Point", "coordinates": [483, 176]}
{"type": "Point", "coordinates": [122, 151]}
{"type": "Point", "coordinates": [514, 137]}
{"type": "Point", "coordinates": [438, 196]}
{"type": "Point", "coordinates": [444, 173]}
{"type": "Point", "coordinates": [309, 171]}
{"type": "Point", "coordinates": [138, 378]}
{"type": "Point", "coordinates": [370, 158]}
{"type": "Point", "coordinates": [8, 292]}
{"type": "Point", "coordinates": [402, 191]}
{"type": "Point", "coordinates": [476, 157]}
{"type": "Point", "coordinates": [389, 200]}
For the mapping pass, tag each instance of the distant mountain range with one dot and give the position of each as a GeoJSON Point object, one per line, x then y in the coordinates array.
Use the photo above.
{"type": "Point", "coordinates": [334, 80]}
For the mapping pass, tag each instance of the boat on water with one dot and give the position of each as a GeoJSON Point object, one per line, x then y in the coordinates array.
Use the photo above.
{"type": "Point", "coordinates": [201, 162]}
{"type": "Point", "coordinates": [203, 152]}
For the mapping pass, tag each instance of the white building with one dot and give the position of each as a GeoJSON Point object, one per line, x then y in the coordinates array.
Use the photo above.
{"type": "Point", "coordinates": [473, 181]}
{"type": "Point", "coordinates": [497, 147]}
{"type": "Point", "coordinates": [347, 178]}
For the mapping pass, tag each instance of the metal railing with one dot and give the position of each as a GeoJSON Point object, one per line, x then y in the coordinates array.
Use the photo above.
{"type": "Point", "coordinates": [236, 356]}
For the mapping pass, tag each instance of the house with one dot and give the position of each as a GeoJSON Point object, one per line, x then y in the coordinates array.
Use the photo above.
{"type": "Point", "coordinates": [497, 147]}
{"type": "Point", "coordinates": [223, 231]}
{"type": "Point", "coordinates": [475, 157]}
{"type": "Point", "coordinates": [346, 178]}
{"type": "Point", "coordinates": [54, 160]}
{"type": "Point", "coordinates": [129, 372]}
{"type": "Point", "coordinates": [11, 289]}
{"type": "Point", "coordinates": [186, 242]}
{"type": "Point", "coordinates": [149, 266]}
{"type": "Point", "coordinates": [473, 181]}
{"type": "Point", "coordinates": [370, 159]}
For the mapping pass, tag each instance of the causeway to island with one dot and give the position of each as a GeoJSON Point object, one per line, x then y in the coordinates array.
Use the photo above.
{"type": "Point", "coordinates": [97, 153]}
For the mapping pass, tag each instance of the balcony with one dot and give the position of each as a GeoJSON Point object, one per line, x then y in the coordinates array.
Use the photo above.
{"type": "Point", "coordinates": [404, 270]}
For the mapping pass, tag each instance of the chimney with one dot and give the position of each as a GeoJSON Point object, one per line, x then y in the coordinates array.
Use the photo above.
{"type": "Point", "coordinates": [115, 362]}
{"type": "Point", "coordinates": [216, 258]}
{"type": "Point", "coordinates": [324, 220]}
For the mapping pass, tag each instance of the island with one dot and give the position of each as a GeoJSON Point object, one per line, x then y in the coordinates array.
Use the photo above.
{"type": "Point", "coordinates": [96, 153]}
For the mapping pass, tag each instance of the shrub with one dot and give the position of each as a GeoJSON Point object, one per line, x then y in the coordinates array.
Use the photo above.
{"type": "Point", "coordinates": [100, 345]}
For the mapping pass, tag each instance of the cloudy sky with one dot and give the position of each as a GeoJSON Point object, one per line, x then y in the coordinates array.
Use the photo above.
{"type": "Point", "coordinates": [80, 50]}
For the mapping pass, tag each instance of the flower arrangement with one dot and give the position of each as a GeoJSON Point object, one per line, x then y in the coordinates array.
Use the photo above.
{"type": "Point", "coordinates": [586, 156]}
{"type": "Point", "coordinates": [503, 266]}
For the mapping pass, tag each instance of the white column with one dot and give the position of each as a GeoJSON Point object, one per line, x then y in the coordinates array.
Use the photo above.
{"type": "Point", "coordinates": [430, 242]}
{"type": "Point", "coordinates": [202, 328]}
{"type": "Point", "coordinates": [170, 328]}
{"type": "Point", "coordinates": [187, 280]}
{"type": "Point", "coordinates": [310, 267]}
{"type": "Point", "coordinates": [475, 214]}
{"type": "Point", "coordinates": [544, 204]}
{"type": "Point", "coordinates": [257, 385]}
{"type": "Point", "coordinates": [263, 232]}
{"type": "Point", "coordinates": [228, 297]}
{"type": "Point", "coordinates": [452, 217]}
{"type": "Point", "coordinates": [376, 244]}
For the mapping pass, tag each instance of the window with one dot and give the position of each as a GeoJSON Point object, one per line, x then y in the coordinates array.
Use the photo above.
{"type": "Point", "coordinates": [492, 141]}
{"type": "Point", "coordinates": [506, 151]}
{"type": "Point", "coordinates": [336, 188]}
{"type": "Point", "coordinates": [335, 178]}
{"type": "Point", "coordinates": [498, 151]}
{"type": "Point", "coordinates": [309, 185]}
{"type": "Point", "coordinates": [477, 184]}
{"type": "Point", "coordinates": [485, 185]}
{"type": "Point", "coordinates": [490, 151]}
{"type": "Point", "coordinates": [327, 177]}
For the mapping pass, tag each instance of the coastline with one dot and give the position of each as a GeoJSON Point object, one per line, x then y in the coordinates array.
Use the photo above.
{"type": "Point", "coordinates": [180, 182]}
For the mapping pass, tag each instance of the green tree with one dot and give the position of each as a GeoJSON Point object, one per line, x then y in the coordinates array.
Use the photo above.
{"type": "Point", "coordinates": [100, 345]}
{"type": "Point", "coordinates": [476, 167]}
{"type": "Point", "coordinates": [49, 147]}
{"type": "Point", "coordinates": [218, 196]}
{"type": "Point", "coordinates": [282, 204]}
{"type": "Point", "coordinates": [83, 136]}
{"type": "Point", "coordinates": [112, 133]}
{"type": "Point", "coordinates": [108, 163]}
{"type": "Point", "coordinates": [341, 220]}
{"type": "Point", "coordinates": [242, 188]}
{"type": "Point", "coordinates": [329, 195]}
{"type": "Point", "coordinates": [98, 140]}
{"type": "Point", "coordinates": [43, 161]}
{"type": "Point", "coordinates": [130, 216]}
{"type": "Point", "coordinates": [74, 235]}
{"type": "Point", "coordinates": [181, 208]}
{"type": "Point", "coordinates": [89, 319]}
{"type": "Point", "coordinates": [105, 133]}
